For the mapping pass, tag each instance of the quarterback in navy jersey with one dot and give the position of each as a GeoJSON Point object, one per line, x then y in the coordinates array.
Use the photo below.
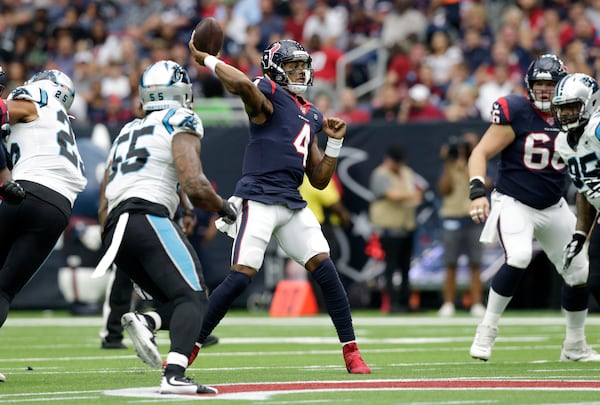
{"type": "Point", "coordinates": [527, 204]}
{"type": "Point", "coordinates": [282, 146]}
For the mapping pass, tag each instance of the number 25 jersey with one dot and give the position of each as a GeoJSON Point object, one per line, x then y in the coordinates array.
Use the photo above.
{"type": "Point", "coordinates": [44, 150]}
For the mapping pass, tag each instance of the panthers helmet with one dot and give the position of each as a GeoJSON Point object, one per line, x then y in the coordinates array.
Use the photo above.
{"type": "Point", "coordinates": [282, 52]}
{"type": "Point", "coordinates": [57, 84]}
{"type": "Point", "coordinates": [547, 67]}
{"type": "Point", "coordinates": [165, 84]}
{"type": "Point", "coordinates": [579, 93]}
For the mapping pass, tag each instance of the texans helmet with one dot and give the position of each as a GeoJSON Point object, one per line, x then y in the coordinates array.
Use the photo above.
{"type": "Point", "coordinates": [277, 55]}
{"type": "Point", "coordinates": [576, 98]}
{"type": "Point", "coordinates": [547, 67]}
{"type": "Point", "coordinates": [165, 84]}
{"type": "Point", "coordinates": [57, 84]}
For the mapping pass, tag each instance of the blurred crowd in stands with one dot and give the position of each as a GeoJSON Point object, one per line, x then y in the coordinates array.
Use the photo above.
{"type": "Point", "coordinates": [447, 60]}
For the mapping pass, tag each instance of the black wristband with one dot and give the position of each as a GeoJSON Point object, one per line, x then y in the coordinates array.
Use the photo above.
{"type": "Point", "coordinates": [476, 189]}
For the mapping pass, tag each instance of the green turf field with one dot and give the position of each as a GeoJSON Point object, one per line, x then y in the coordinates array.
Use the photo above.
{"type": "Point", "coordinates": [416, 359]}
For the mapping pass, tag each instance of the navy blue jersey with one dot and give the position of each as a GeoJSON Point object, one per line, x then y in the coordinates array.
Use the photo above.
{"type": "Point", "coordinates": [277, 151]}
{"type": "Point", "coordinates": [529, 170]}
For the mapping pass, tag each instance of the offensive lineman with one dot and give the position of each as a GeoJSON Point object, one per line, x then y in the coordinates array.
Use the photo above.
{"type": "Point", "coordinates": [527, 204]}
{"type": "Point", "coordinates": [150, 159]}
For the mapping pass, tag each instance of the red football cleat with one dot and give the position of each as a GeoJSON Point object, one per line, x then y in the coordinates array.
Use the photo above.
{"type": "Point", "coordinates": [354, 363]}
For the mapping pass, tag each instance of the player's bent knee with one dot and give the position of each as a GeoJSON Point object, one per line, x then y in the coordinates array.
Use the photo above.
{"type": "Point", "coordinates": [252, 258]}
{"type": "Point", "coordinates": [519, 259]}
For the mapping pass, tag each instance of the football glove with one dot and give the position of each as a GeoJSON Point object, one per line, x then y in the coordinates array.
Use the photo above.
{"type": "Point", "coordinates": [573, 248]}
{"type": "Point", "coordinates": [11, 192]}
{"type": "Point", "coordinates": [4, 131]}
{"type": "Point", "coordinates": [228, 212]}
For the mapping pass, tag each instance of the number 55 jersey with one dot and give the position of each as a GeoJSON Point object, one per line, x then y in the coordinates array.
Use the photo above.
{"type": "Point", "coordinates": [143, 147]}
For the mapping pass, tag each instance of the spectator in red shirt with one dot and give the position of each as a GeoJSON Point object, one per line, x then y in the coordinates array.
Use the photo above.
{"type": "Point", "coordinates": [418, 108]}
{"type": "Point", "coordinates": [349, 110]}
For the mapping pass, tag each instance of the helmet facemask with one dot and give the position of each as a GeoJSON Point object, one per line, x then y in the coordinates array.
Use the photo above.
{"type": "Point", "coordinates": [576, 98]}
{"type": "Point", "coordinates": [570, 115]}
{"type": "Point", "coordinates": [548, 68]}
{"type": "Point", "coordinates": [287, 58]}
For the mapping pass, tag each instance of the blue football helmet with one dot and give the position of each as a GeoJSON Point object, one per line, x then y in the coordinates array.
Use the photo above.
{"type": "Point", "coordinates": [547, 67]}
{"type": "Point", "coordinates": [282, 52]}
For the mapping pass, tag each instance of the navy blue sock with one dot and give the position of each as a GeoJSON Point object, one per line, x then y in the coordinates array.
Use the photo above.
{"type": "Point", "coordinates": [574, 298]}
{"type": "Point", "coordinates": [336, 300]}
{"type": "Point", "coordinates": [221, 299]}
{"type": "Point", "coordinates": [506, 281]}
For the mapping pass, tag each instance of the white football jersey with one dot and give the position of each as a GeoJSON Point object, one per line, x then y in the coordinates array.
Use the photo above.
{"type": "Point", "coordinates": [140, 162]}
{"type": "Point", "coordinates": [44, 150]}
{"type": "Point", "coordinates": [583, 161]}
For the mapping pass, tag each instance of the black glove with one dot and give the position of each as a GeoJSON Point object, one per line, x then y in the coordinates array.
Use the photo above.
{"type": "Point", "coordinates": [573, 248]}
{"type": "Point", "coordinates": [228, 212]}
{"type": "Point", "coordinates": [4, 131]}
{"type": "Point", "coordinates": [476, 189]}
{"type": "Point", "coordinates": [11, 192]}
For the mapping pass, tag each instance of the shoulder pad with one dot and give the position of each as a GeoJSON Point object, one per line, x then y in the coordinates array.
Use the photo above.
{"type": "Point", "coordinates": [30, 93]}
{"type": "Point", "coordinates": [183, 120]}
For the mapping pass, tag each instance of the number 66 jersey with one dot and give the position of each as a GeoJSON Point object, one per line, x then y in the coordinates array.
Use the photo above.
{"type": "Point", "coordinates": [530, 170]}
{"type": "Point", "coordinates": [583, 160]}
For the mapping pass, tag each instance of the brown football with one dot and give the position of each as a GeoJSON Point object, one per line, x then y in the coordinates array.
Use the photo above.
{"type": "Point", "coordinates": [208, 36]}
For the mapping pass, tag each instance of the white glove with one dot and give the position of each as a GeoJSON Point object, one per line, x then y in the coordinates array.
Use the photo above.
{"type": "Point", "coordinates": [230, 229]}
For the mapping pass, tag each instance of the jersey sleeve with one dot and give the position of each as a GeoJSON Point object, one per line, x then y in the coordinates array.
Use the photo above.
{"type": "Point", "coordinates": [501, 112]}
{"type": "Point", "coordinates": [183, 120]}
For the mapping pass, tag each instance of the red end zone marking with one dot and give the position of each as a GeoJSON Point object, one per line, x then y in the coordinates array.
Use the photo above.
{"type": "Point", "coordinates": [409, 384]}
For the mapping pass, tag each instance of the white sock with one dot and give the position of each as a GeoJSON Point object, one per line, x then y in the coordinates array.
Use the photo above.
{"type": "Point", "coordinates": [177, 359]}
{"type": "Point", "coordinates": [496, 305]}
{"type": "Point", "coordinates": [575, 325]}
{"type": "Point", "coordinates": [156, 318]}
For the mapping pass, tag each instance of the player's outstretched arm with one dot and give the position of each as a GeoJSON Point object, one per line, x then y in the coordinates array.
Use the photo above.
{"type": "Point", "coordinates": [257, 106]}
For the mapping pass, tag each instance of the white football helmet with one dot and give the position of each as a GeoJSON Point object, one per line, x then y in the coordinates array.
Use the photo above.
{"type": "Point", "coordinates": [165, 84]}
{"type": "Point", "coordinates": [576, 98]}
{"type": "Point", "coordinates": [56, 84]}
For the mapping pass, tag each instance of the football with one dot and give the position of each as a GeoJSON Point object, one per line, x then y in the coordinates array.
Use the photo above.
{"type": "Point", "coordinates": [208, 36]}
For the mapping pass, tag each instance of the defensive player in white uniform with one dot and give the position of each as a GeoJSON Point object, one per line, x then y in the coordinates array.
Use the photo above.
{"type": "Point", "coordinates": [45, 161]}
{"type": "Point", "coordinates": [150, 160]}
{"type": "Point", "coordinates": [575, 105]}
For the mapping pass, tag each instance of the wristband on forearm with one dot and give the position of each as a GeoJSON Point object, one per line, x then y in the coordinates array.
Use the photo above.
{"type": "Point", "coordinates": [333, 147]}
{"type": "Point", "coordinates": [211, 62]}
{"type": "Point", "coordinates": [476, 188]}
